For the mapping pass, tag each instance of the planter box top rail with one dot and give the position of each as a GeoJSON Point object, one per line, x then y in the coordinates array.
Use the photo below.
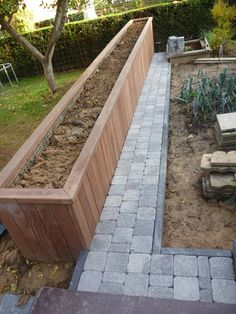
{"type": "Point", "coordinates": [27, 150]}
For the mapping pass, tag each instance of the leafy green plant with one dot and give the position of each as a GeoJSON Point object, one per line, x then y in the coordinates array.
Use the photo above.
{"type": "Point", "coordinates": [206, 96]}
{"type": "Point", "coordinates": [224, 16]}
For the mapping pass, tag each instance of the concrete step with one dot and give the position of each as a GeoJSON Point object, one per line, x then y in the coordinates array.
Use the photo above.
{"type": "Point", "coordinates": [220, 158]}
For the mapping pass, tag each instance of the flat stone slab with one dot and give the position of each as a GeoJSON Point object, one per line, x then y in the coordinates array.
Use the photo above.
{"type": "Point", "coordinates": [220, 158]}
{"type": "Point", "coordinates": [223, 180]}
{"type": "Point", "coordinates": [50, 300]}
{"type": "Point", "coordinates": [206, 165]}
{"type": "Point", "coordinates": [186, 288]}
{"type": "Point", "coordinates": [227, 121]}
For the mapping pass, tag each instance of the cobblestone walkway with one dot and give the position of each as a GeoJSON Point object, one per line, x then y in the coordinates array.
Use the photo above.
{"type": "Point", "coordinates": [120, 259]}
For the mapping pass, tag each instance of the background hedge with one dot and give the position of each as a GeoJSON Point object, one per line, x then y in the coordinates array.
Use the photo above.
{"type": "Point", "coordinates": [82, 41]}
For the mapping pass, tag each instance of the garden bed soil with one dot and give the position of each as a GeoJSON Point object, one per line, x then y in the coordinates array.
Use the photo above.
{"type": "Point", "coordinates": [17, 274]}
{"type": "Point", "coordinates": [191, 220]}
{"type": "Point", "coordinates": [53, 166]}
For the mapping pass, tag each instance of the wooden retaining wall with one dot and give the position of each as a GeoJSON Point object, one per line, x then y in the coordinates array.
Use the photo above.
{"type": "Point", "coordinates": [55, 224]}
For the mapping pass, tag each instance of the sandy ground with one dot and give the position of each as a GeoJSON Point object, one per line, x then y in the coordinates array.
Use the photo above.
{"type": "Point", "coordinates": [53, 166]}
{"type": "Point", "coordinates": [191, 220]}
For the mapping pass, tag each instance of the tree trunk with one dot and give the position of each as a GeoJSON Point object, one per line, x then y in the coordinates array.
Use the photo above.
{"type": "Point", "coordinates": [49, 75]}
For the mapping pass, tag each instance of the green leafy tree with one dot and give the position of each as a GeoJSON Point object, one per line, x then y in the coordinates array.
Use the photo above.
{"type": "Point", "coordinates": [8, 8]}
{"type": "Point", "coordinates": [23, 21]}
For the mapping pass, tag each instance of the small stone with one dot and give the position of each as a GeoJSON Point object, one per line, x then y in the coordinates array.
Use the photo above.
{"type": "Point", "coordinates": [139, 263]}
{"type": "Point", "coordinates": [136, 285]}
{"type": "Point", "coordinates": [117, 262]}
{"type": "Point", "coordinates": [186, 288]}
{"type": "Point", "coordinates": [141, 244]}
{"type": "Point", "coordinates": [90, 281]}
{"type": "Point", "coordinates": [160, 292]}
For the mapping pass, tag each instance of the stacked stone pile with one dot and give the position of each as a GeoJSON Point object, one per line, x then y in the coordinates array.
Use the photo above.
{"type": "Point", "coordinates": [225, 128]}
{"type": "Point", "coordinates": [219, 179]}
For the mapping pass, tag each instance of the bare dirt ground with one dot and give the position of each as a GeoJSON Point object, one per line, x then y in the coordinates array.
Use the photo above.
{"type": "Point", "coordinates": [52, 168]}
{"type": "Point", "coordinates": [22, 276]}
{"type": "Point", "coordinates": [191, 220]}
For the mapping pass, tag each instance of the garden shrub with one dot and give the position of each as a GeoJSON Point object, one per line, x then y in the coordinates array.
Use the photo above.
{"type": "Point", "coordinates": [82, 41]}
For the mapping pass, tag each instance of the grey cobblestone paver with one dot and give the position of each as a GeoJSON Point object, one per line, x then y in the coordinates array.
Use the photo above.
{"type": "Point", "coordinates": [186, 288]}
{"type": "Point", "coordinates": [221, 268]}
{"type": "Point", "coordinates": [120, 260]}
{"type": "Point", "coordinates": [185, 266]}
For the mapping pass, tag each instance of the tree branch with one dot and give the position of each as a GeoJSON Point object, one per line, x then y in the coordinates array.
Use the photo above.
{"type": "Point", "coordinates": [60, 18]}
{"type": "Point", "coordinates": [35, 52]}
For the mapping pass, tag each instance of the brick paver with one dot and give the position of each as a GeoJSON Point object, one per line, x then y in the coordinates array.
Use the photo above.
{"type": "Point", "coordinates": [120, 260]}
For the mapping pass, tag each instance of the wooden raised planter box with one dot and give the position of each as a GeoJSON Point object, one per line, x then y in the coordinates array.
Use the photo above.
{"type": "Point", "coordinates": [55, 224]}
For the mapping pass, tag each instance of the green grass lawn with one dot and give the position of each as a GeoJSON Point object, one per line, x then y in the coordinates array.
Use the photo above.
{"type": "Point", "coordinates": [22, 108]}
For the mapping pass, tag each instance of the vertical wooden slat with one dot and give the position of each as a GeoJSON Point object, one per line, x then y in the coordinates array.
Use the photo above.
{"type": "Point", "coordinates": [62, 216]}
{"type": "Point", "coordinates": [7, 217]}
{"type": "Point", "coordinates": [53, 231]}
{"type": "Point", "coordinates": [88, 211]}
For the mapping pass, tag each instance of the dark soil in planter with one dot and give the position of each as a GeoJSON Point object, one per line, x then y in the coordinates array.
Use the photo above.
{"type": "Point", "coordinates": [191, 220]}
{"type": "Point", "coordinates": [52, 167]}
{"type": "Point", "coordinates": [17, 274]}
